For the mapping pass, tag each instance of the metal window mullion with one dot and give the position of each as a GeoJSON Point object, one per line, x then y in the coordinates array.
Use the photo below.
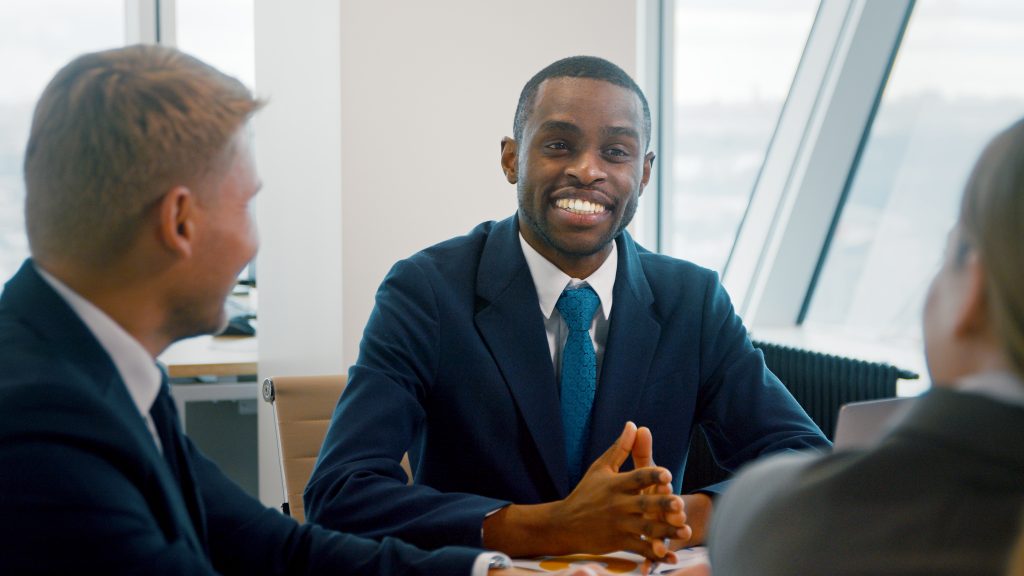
{"type": "Point", "coordinates": [140, 22]}
{"type": "Point", "coordinates": [150, 22]}
{"type": "Point", "coordinates": [652, 34]}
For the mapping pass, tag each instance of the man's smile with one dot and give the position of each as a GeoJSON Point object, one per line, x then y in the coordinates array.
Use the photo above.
{"type": "Point", "coordinates": [579, 206]}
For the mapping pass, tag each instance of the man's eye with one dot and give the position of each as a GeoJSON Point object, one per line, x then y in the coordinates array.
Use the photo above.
{"type": "Point", "coordinates": [557, 146]}
{"type": "Point", "coordinates": [617, 152]}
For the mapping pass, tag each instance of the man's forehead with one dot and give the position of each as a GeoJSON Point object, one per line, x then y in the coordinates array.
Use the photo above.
{"type": "Point", "coordinates": [585, 98]}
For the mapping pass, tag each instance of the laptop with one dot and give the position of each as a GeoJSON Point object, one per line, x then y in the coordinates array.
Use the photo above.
{"type": "Point", "coordinates": [862, 424]}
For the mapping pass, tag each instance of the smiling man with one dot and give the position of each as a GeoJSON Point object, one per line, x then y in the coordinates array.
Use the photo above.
{"type": "Point", "coordinates": [498, 361]}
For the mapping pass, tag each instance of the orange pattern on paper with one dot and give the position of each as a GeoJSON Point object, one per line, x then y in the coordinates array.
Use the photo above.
{"type": "Point", "coordinates": [616, 565]}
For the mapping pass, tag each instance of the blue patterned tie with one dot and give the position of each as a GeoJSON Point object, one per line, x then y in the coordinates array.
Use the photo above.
{"type": "Point", "coordinates": [579, 373]}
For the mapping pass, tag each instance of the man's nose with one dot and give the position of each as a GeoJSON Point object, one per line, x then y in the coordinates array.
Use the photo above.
{"type": "Point", "coordinates": [587, 168]}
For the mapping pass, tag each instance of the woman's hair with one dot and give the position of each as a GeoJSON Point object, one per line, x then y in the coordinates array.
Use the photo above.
{"type": "Point", "coordinates": [992, 222]}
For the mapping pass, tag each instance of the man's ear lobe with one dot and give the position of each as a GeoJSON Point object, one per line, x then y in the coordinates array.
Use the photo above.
{"type": "Point", "coordinates": [509, 159]}
{"type": "Point", "coordinates": [177, 221]}
{"type": "Point", "coordinates": [972, 317]}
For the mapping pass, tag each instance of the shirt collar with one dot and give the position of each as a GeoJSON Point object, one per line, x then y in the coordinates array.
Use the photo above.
{"type": "Point", "coordinates": [550, 281]}
{"type": "Point", "coordinates": [136, 367]}
{"type": "Point", "coordinates": [1003, 386]}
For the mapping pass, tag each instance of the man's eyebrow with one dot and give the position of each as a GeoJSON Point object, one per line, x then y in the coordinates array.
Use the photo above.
{"type": "Point", "coordinates": [559, 126]}
{"type": "Point", "coordinates": [621, 131]}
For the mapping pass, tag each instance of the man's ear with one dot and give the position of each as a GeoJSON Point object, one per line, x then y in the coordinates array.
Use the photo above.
{"type": "Point", "coordinates": [972, 316]}
{"type": "Point", "coordinates": [648, 165]}
{"type": "Point", "coordinates": [510, 159]}
{"type": "Point", "coordinates": [177, 226]}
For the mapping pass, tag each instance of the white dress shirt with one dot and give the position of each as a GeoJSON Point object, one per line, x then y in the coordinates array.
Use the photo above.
{"type": "Point", "coordinates": [550, 281]}
{"type": "Point", "coordinates": [136, 367]}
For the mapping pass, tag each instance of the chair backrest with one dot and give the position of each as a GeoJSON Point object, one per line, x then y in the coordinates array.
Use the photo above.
{"type": "Point", "coordinates": [821, 383]}
{"type": "Point", "coordinates": [303, 406]}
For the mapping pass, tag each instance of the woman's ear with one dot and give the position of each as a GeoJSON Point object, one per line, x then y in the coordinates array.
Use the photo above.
{"type": "Point", "coordinates": [972, 316]}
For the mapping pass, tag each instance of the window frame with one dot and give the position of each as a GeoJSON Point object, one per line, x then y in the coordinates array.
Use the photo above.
{"type": "Point", "coordinates": [798, 196]}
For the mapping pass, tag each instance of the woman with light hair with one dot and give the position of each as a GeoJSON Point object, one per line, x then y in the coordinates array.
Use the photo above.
{"type": "Point", "coordinates": [943, 492]}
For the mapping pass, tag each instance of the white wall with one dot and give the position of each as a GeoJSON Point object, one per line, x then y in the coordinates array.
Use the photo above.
{"type": "Point", "coordinates": [425, 90]}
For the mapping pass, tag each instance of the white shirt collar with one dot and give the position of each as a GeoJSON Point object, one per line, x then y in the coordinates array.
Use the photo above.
{"type": "Point", "coordinates": [137, 368]}
{"type": "Point", "coordinates": [1002, 386]}
{"type": "Point", "coordinates": [551, 281]}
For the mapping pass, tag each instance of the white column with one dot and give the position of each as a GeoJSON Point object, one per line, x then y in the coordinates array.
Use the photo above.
{"type": "Point", "coordinates": [298, 153]}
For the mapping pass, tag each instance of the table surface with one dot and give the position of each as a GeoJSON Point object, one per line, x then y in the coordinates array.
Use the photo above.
{"type": "Point", "coordinates": [212, 356]}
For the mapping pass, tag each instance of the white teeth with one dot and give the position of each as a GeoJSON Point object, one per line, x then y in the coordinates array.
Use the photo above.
{"type": "Point", "coordinates": [578, 206]}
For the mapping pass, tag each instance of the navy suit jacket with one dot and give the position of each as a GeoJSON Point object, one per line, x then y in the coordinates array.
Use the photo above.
{"type": "Point", "coordinates": [84, 490]}
{"type": "Point", "coordinates": [455, 367]}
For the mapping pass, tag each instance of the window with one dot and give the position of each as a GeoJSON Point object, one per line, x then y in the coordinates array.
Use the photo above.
{"type": "Point", "coordinates": [953, 86]}
{"type": "Point", "coordinates": [730, 66]}
{"type": "Point", "coordinates": [221, 33]}
{"type": "Point", "coordinates": [48, 34]}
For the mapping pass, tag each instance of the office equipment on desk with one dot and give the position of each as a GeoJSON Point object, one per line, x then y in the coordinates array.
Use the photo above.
{"type": "Point", "coordinates": [862, 424]}
{"type": "Point", "coordinates": [821, 383]}
{"type": "Point", "coordinates": [241, 317]}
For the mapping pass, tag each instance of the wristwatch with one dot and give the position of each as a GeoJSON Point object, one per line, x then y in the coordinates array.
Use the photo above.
{"type": "Point", "coordinates": [499, 562]}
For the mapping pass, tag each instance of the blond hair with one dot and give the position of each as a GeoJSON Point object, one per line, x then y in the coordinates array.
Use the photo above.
{"type": "Point", "coordinates": [111, 134]}
{"type": "Point", "coordinates": [992, 219]}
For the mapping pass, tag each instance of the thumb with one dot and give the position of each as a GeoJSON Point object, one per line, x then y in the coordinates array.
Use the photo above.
{"type": "Point", "coordinates": [643, 448]}
{"type": "Point", "coordinates": [614, 456]}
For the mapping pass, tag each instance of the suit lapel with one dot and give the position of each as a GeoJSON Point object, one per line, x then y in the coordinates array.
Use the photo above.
{"type": "Point", "coordinates": [633, 336]}
{"type": "Point", "coordinates": [40, 307]}
{"type": "Point", "coordinates": [510, 322]}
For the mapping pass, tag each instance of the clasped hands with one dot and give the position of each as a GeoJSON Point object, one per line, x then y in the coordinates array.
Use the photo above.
{"type": "Point", "coordinates": [608, 510]}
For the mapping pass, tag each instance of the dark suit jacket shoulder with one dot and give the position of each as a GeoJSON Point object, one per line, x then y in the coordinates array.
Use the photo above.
{"type": "Point", "coordinates": [84, 489]}
{"type": "Point", "coordinates": [454, 367]}
{"type": "Point", "coordinates": [942, 494]}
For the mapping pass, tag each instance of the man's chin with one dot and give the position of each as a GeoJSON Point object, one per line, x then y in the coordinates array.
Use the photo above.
{"type": "Point", "coordinates": [578, 248]}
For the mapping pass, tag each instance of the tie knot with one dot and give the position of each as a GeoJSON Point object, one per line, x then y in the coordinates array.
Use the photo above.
{"type": "Point", "coordinates": [577, 307]}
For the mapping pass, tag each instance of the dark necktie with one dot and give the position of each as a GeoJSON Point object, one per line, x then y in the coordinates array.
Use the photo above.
{"type": "Point", "coordinates": [168, 428]}
{"type": "Point", "coordinates": [165, 417]}
{"type": "Point", "coordinates": [579, 374]}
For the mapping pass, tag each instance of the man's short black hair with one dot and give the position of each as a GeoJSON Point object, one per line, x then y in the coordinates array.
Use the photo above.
{"type": "Point", "coordinates": [578, 67]}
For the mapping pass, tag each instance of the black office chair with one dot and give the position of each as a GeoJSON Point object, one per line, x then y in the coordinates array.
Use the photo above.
{"type": "Point", "coordinates": [821, 383]}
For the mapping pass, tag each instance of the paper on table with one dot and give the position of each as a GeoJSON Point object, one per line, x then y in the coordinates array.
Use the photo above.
{"type": "Point", "coordinates": [615, 562]}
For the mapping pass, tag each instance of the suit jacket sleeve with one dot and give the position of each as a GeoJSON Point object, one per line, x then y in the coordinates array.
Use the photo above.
{"type": "Point", "coordinates": [249, 538]}
{"type": "Point", "coordinates": [743, 408]}
{"type": "Point", "coordinates": [358, 484]}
